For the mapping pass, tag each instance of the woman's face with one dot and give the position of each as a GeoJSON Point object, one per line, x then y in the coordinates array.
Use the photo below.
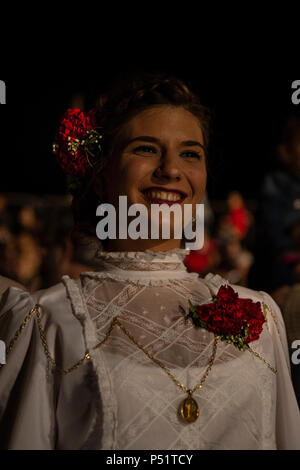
{"type": "Point", "coordinates": [159, 158]}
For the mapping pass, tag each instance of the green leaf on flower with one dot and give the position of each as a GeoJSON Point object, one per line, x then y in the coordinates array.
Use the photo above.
{"type": "Point", "coordinates": [193, 308]}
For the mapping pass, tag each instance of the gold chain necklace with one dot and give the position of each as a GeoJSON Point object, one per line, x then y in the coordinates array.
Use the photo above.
{"type": "Point", "coordinates": [188, 408]}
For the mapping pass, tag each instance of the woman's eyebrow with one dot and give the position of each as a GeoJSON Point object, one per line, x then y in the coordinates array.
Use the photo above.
{"type": "Point", "coordinates": [192, 143]}
{"type": "Point", "coordinates": [148, 138]}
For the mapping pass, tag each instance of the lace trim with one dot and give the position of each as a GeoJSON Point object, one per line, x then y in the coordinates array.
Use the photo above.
{"type": "Point", "coordinates": [142, 278]}
{"type": "Point", "coordinates": [148, 260]}
{"type": "Point", "coordinates": [171, 255]}
{"type": "Point", "coordinates": [141, 265]}
{"type": "Point", "coordinates": [108, 413]}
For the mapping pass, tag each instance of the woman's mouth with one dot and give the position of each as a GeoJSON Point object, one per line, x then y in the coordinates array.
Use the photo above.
{"type": "Point", "coordinates": [164, 196]}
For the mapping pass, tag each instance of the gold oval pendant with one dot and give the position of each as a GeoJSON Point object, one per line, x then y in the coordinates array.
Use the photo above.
{"type": "Point", "coordinates": [189, 410]}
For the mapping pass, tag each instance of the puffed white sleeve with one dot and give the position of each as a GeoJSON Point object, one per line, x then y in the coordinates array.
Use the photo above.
{"type": "Point", "coordinates": [45, 404]}
{"type": "Point", "coordinates": [287, 411]}
{"type": "Point", "coordinates": [26, 414]}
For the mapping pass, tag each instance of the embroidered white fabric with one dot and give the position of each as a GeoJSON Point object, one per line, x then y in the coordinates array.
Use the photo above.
{"type": "Point", "coordinates": [120, 399]}
{"type": "Point", "coordinates": [149, 294]}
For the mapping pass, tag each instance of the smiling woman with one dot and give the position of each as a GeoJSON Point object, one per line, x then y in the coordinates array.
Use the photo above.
{"type": "Point", "coordinates": [156, 138]}
{"type": "Point", "coordinates": [167, 165]}
{"type": "Point", "coordinates": [139, 353]}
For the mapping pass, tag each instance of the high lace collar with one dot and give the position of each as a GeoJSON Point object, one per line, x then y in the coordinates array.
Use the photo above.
{"type": "Point", "coordinates": [145, 260]}
{"type": "Point", "coordinates": [145, 267]}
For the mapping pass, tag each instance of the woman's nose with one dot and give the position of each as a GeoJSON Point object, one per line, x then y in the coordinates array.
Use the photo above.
{"type": "Point", "coordinates": [168, 167]}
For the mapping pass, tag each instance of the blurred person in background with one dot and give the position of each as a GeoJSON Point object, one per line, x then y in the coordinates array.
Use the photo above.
{"type": "Point", "coordinates": [288, 297]}
{"type": "Point", "coordinates": [24, 252]}
{"type": "Point", "coordinates": [291, 313]}
{"type": "Point", "coordinates": [207, 259]}
{"type": "Point", "coordinates": [29, 261]}
{"type": "Point", "coordinates": [36, 243]}
{"type": "Point", "coordinates": [66, 250]}
{"type": "Point", "coordinates": [238, 218]}
{"type": "Point", "coordinates": [29, 221]}
{"type": "Point", "coordinates": [279, 205]}
{"type": "Point", "coordinates": [8, 248]}
{"type": "Point", "coordinates": [233, 229]}
{"type": "Point", "coordinates": [6, 238]}
{"type": "Point", "coordinates": [235, 261]}
{"type": "Point", "coordinates": [277, 255]}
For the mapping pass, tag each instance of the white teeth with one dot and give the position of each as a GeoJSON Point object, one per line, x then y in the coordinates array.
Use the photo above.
{"type": "Point", "coordinates": [165, 196]}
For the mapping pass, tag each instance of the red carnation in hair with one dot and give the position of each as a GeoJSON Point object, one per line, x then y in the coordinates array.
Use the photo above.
{"type": "Point", "coordinates": [71, 145]}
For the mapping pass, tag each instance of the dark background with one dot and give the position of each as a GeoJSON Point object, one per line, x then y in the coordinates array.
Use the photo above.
{"type": "Point", "coordinates": [248, 115]}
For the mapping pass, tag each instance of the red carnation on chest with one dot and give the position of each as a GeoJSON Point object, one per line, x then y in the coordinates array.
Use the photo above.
{"type": "Point", "coordinates": [237, 321]}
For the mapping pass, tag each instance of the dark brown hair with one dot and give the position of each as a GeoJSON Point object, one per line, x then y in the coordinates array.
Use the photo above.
{"type": "Point", "coordinates": [129, 97]}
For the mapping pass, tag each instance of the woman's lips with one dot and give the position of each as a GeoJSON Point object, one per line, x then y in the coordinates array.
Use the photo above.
{"type": "Point", "coordinates": [163, 196]}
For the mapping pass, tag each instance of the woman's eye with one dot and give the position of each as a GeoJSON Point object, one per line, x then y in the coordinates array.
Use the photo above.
{"type": "Point", "coordinates": [191, 154]}
{"type": "Point", "coordinates": [145, 149]}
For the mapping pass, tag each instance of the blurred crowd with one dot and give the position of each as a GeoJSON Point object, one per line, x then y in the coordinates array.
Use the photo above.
{"type": "Point", "coordinates": [37, 246]}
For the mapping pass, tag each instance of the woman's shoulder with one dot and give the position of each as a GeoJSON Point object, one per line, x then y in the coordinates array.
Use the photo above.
{"type": "Point", "coordinates": [5, 283]}
{"type": "Point", "coordinates": [45, 344]}
{"type": "Point", "coordinates": [270, 309]}
{"type": "Point", "coordinates": [215, 281]}
{"type": "Point", "coordinates": [54, 305]}
{"type": "Point", "coordinates": [46, 322]}
{"type": "Point", "coordinates": [274, 323]}
{"type": "Point", "coordinates": [16, 298]}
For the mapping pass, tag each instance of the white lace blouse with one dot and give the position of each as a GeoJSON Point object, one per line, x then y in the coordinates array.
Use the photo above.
{"type": "Point", "coordinates": [116, 397]}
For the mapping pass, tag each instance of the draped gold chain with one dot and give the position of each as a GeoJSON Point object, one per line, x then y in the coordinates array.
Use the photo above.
{"type": "Point", "coordinates": [188, 409]}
